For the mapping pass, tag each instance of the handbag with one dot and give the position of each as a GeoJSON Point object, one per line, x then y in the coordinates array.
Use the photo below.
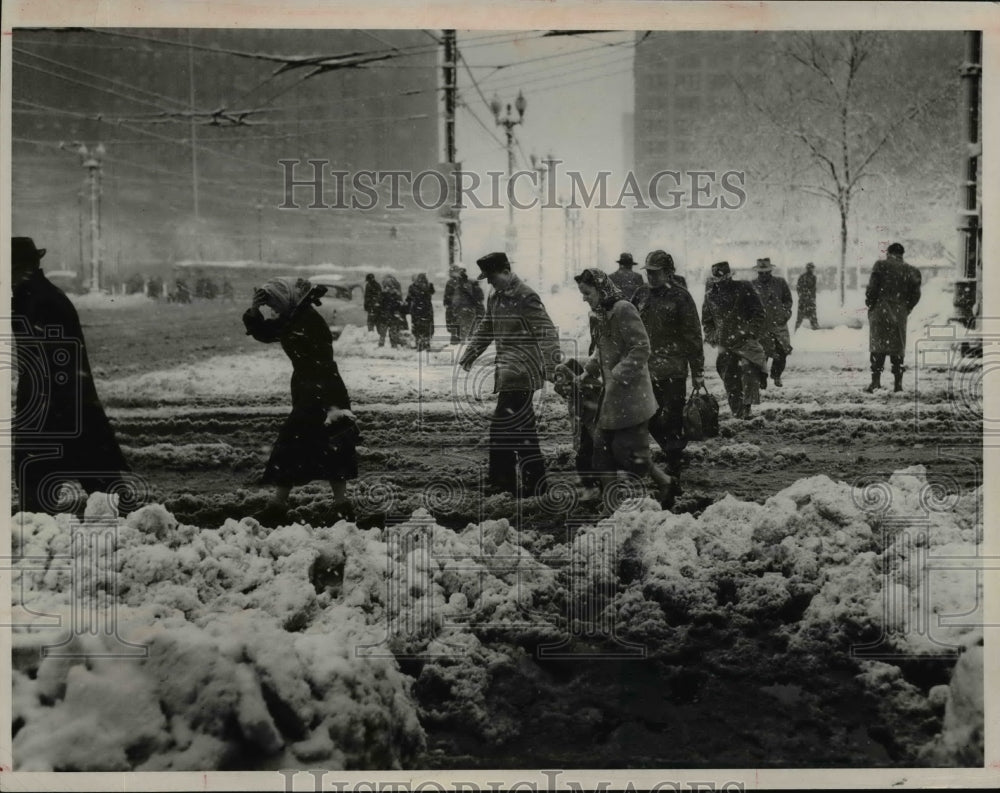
{"type": "Point", "coordinates": [701, 415]}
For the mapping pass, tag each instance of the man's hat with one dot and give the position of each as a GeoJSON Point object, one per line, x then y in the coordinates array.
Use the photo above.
{"type": "Point", "coordinates": [626, 259]}
{"type": "Point", "coordinates": [492, 263]}
{"type": "Point", "coordinates": [763, 265]}
{"type": "Point", "coordinates": [720, 268]}
{"type": "Point", "coordinates": [659, 260]}
{"type": "Point", "coordinates": [810, 266]}
{"type": "Point", "coordinates": [23, 251]}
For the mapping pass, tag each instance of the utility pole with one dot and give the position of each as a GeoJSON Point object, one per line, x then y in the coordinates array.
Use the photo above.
{"type": "Point", "coordinates": [194, 146]}
{"type": "Point", "coordinates": [968, 286]}
{"type": "Point", "coordinates": [450, 90]}
{"type": "Point", "coordinates": [91, 160]}
{"type": "Point", "coordinates": [508, 122]}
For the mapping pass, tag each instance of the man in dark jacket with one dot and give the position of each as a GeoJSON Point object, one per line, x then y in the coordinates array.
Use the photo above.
{"type": "Point", "coordinates": [373, 300]}
{"type": "Point", "coordinates": [776, 298]}
{"type": "Point", "coordinates": [893, 290]}
{"type": "Point", "coordinates": [421, 311]}
{"type": "Point", "coordinates": [671, 319]}
{"type": "Point", "coordinates": [805, 287]}
{"type": "Point", "coordinates": [733, 319]}
{"type": "Point", "coordinates": [624, 277]}
{"type": "Point", "coordinates": [466, 305]}
{"type": "Point", "coordinates": [527, 353]}
{"type": "Point", "coordinates": [60, 430]}
{"type": "Point", "coordinates": [450, 323]}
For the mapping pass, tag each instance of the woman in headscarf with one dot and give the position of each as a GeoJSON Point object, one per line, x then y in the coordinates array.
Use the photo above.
{"type": "Point", "coordinates": [421, 311]}
{"type": "Point", "coordinates": [317, 440]}
{"type": "Point", "coordinates": [391, 319]}
{"type": "Point", "coordinates": [619, 358]}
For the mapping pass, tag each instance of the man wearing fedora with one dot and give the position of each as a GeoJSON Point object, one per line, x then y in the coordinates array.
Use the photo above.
{"type": "Point", "coordinates": [527, 353]}
{"type": "Point", "coordinates": [893, 291]}
{"type": "Point", "coordinates": [733, 320]}
{"type": "Point", "coordinates": [60, 430]}
{"type": "Point", "coordinates": [805, 287]}
{"type": "Point", "coordinates": [776, 298]}
{"type": "Point", "coordinates": [624, 277]}
{"type": "Point", "coordinates": [671, 319]}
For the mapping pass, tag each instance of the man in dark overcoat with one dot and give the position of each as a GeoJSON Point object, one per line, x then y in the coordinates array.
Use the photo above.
{"type": "Point", "coordinates": [624, 277]}
{"type": "Point", "coordinates": [733, 320]}
{"type": "Point", "coordinates": [671, 320]}
{"type": "Point", "coordinates": [776, 298]}
{"type": "Point", "coordinates": [893, 290]}
{"type": "Point", "coordinates": [527, 353]}
{"type": "Point", "coordinates": [60, 430]}
{"type": "Point", "coordinates": [805, 288]}
{"type": "Point", "coordinates": [373, 301]}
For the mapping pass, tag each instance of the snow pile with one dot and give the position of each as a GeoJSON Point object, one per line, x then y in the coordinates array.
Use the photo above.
{"type": "Point", "coordinates": [100, 300]}
{"type": "Point", "coordinates": [188, 456]}
{"type": "Point", "coordinates": [287, 641]}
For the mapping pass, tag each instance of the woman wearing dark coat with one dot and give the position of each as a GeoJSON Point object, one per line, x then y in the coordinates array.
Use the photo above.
{"type": "Point", "coordinates": [421, 311]}
{"type": "Point", "coordinates": [373, 300]}
{"type": "Point", "coordinates": [317, 440]}
{"type": "Point", "coordinates": [56, 405]}
{"type": "Point", "coordinates": [392, 317]}
{"type": "Point", "coordinates": [621, 437]}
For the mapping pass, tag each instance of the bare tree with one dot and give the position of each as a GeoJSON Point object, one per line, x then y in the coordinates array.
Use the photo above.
{"type": "Point", "coordinates": [828, 100]}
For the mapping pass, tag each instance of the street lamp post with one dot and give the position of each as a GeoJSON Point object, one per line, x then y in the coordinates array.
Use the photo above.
{"type": "Point", "coordinates": [260, 242]}
{"type": "Point", "coordinates": [90, 158]}
{"type": "Point", "coordinates": [541, 168]}
{"type": "Point", "coordinates": [508, 122]}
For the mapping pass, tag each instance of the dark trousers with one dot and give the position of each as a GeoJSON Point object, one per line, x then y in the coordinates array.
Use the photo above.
{"type": "Point", "coordinates": [740, 378]}
{"type": "Point", "coordinates": [667, 424]}
{"type": "Point", "coordinates": [778, 364]}
{"type": "Point", "coordinates": [372, 320]}
{"type": "Point", "coordinates": [878, 362]}
{"type": "Point", "coordinates": [807, 312]}
{"type": "Point", "coordinates": [514, 443]}
{"type": "Point", "coordinates": [585, 455]}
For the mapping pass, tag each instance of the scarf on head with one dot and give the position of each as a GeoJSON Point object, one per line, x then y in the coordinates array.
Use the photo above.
{"type": "Point", "coordinates": [287, 293]}
{"type": "Point", "coordinates": [607, 290]}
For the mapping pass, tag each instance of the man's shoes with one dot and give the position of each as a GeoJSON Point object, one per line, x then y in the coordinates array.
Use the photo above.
{"type": "Point", "coordinates": [272, 515]}
{"type": "Point", "coordinates": [668, 494]}
{"type": "Point", "coordinates": [743, 412]}
{"type": "Point", "coordinates": [343, 511]}
{"type": "Point", "coordinates": [763, 381]}
{"type": "Point", "coordinates": [875, 383]}
{"type": "Point", "coordinates": [777, 381]}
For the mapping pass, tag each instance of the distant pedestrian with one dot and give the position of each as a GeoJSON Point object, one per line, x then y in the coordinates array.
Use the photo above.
{"type": "Point", "coordinates": [527, 352]}
{"type": "Point", "coordinates": [805, 288]}
{"type": "Point", "coordinates": [450, 323]}
{"type": "Point", "coordinates": [627, 403]}
{"type": "Point", "coordinates": [733, 320]}
{"type": "Point", "coordinates": [391, 317]}
{"type": "Point", "coordinates": [182, 293]}
{"type": "Point", "coordinates": [670, 317]}
{"type": "Point", "coordinates": [467, 305]}
{"type": "Point", "coordinates": [227, 290]}
{"type": "Point", "coordinates": [776, 298]}
{"type": "Point", "coordinates": [624, 277]}
{"type": "Point", "coordinates": [373, 301]}
{"type": "Point", "coordinates": [893, 291]}
{"type": "Point", "coordinates": [56, 404]}
{"type": "Point", "coordinates": [421, 310]}
{"type": "Point", "coordinates": [318, 439]}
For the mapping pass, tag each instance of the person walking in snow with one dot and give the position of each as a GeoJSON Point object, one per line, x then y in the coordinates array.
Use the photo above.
{"type": "Point", "coordinates": [449, 303]}
{"type": "Point", "coordinates": [733, 320]}
{"type": "Point", "coordinates": [372, 301]}
{"type": "Point", "coordinates": [621, 438]}
{"type": "Point", "coordinates": [318, 439]}
{"type": "Point", "coordinates": [624, 277]}
{"type": "Point", "coordinates": [805, 288]}
{"type": "Point", "coordinates": [391, 317]}
{"type": "Point", "coordinates": [893, 291]}
{"type": "Point", "coordinates": [421, 310]}
{"type": "Point", "coordinates": [527, 352]}
{"type": "Point", "coordinates": [467, 305]}
{"type": "Point", "coordinates": [56, 402]}
{"type": "Point", "coordinates": [776, 298]}
{"type": "Point", "coordinates": [671, 320]}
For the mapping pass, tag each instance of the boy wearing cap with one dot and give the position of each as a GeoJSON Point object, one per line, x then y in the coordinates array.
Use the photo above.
{"type": "Point", "coordinates": [527, 353]}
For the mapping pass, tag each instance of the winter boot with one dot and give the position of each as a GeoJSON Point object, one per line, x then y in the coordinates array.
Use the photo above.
{"type": "Point", "coordinates": [875, 383]}
{"type": "Point", "coordinates": [897, 380]}
{"type": "Point", "coordinates": [272, 515]}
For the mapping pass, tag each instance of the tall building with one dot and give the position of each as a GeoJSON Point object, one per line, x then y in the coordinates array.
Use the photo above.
{"type": "Point", "coordinates": [698, 102]}
{"type": "Point", "coordinates": [179, 185]}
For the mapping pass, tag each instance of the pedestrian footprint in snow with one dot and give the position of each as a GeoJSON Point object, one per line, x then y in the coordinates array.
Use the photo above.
{"type": "Point", "coordinates": [318, 439]}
